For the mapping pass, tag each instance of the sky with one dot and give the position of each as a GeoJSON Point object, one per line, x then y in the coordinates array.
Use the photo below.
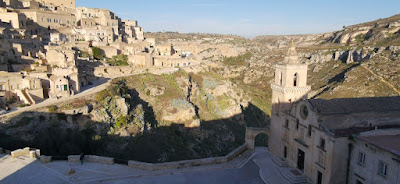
{"type": "Point", "coordinates": [248, 18]}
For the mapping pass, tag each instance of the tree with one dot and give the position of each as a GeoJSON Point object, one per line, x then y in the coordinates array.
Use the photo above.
{"type": "Point", "coordinates": [98, 53]}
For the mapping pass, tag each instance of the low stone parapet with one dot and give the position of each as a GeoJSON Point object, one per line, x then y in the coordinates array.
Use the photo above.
{"type": "Point", "coordinates": [45, 159]}
{"type": "Point", "coordinates": [91, 158]}
{"type": "Point", "coordinates": [187, 163]}
{"type": "Point", "coordinates": [20, 152]}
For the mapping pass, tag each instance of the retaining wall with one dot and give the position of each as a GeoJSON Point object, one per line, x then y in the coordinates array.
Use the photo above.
{"type": "Point", "coordinates": [187, 163]}
{"type": "Point", "coordinates": [91, 158]}
{"type": "Point", "coordinates": [137, 164]}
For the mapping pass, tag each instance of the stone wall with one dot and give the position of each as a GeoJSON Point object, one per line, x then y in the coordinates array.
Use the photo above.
{"type": "Point", "coordinates": [117, 71]}
{"type": "Point", "coordinates": [91, 158]}
{"type": "Point", "coordinates": [188, 163]}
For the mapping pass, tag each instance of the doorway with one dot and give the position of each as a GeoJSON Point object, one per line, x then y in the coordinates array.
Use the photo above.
{"type": "Point", "coordinates": [319, 178]}
{"type": "Point", "coordinates": [261, 140]}
{"type": "Point", "coordinates": [300, 160]}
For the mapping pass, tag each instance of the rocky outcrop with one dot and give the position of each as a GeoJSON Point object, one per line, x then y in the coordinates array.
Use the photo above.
{"type": "Point", "coordinates": [85, 110]}
{"type": "Point", "coordinates": [114, 107]}
{"type": "Point", "coordinates": [155, 90]}
{"type": "Point", "coordinates": [180, 111]}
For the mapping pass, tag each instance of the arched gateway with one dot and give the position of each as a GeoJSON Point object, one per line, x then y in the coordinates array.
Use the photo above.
{"type": "Point", "coordinates": [252, 133]}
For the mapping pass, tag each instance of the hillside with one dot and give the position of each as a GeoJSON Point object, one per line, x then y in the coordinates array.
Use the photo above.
{"type": "Point", "coordinates": [202, 111]}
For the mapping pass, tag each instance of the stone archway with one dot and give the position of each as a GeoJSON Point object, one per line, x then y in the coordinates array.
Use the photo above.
{"type": "Point", "coordinates": [251, 134]}
{"type": "Point", "coordinates": [261, 140]}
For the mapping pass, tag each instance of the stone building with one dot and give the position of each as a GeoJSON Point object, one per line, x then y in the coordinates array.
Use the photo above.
{"type": "Point", "coordinates": [30, 4]}
{"type": "Point", "coordinates": [99, 35]}
{"type": "Point", "coordinates": [132, 31]}
{"type": "Point", "coordinates": [58, 3]}
{"type": "Point", "coordinates": [16, 20]}
{"type": "Point", "coordinates": [375, 157]}
{"type": "Point", "coordinates": [58, 56]}
{"type": "Point", "coordinates": [312, 135]}
{"type": "Point", "coordinates": [49, 19]}
{"type": "Point", "coordinates": [27, 89]}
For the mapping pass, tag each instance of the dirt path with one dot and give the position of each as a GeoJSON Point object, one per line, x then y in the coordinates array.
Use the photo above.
{"type": "Point", "coordinates": [381, 79]}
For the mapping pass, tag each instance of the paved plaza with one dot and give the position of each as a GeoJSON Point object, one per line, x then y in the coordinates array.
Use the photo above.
{"type": "Point", "coordinates": [252, 167]}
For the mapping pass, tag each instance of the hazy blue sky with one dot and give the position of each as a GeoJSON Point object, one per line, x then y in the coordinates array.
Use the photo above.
{"type": "Point", "coordinates": [247, 17]}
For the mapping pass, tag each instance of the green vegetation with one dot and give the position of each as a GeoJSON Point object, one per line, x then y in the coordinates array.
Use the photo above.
{"type": "Point", "coordinates": [238, 60]}
{"type": "Point", "coordinates": [119, 60]}
{"type": "Point", "coordinates": [360, 38]}
{"type": "Point", "coordinates": [98, 53]}
{"type": "Point", "coordinates": [122, 121]}
{"type": "Point", "coordinates": [117, 88]}
{"type": "Point", "coordinates": [83, 54]}
{"type": "Point", "coordinates": [23, 105]}
{"type": "Point", "coordinates": [52, 108]}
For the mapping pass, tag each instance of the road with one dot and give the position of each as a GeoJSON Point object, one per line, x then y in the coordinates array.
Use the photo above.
{"type": "Point", "coordinates": [97, 86]}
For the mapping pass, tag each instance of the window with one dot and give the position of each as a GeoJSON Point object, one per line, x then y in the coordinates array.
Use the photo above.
{"type": "Point", "coordinates": [361, 158]}
{"type": "Point", "coordinates": [322, 143]}
{"type": "Point", "coordinates": [295, 78]}
{"type": "Point", "coordinates": [287, 123]}
{"type": "Point", "coordinates": [2, 87]}
{"type": "Point", "coordinates": [309, 131]}
{"type": "Point", "coordinates": [284, 152]}
{"type": "Point", "coordinates": [297, 124]}
{"type": "Point", "coordinates": [57, 86]}
{"type": "Point", "coordinates": [382, 168]}
{"type": "Point", "coordinates": [281, 79]}
{"type": "Point", "coordinates": [321, 158]}
{"type": "Point", "coordinates": [304, 112]}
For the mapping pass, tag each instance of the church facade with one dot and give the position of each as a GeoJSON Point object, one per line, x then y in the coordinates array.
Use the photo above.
{"type": "Point", "coordinates": [314, 135]}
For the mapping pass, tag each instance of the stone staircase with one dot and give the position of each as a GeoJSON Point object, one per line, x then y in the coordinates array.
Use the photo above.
{"type": "Point", "coordinates": [294, 176]}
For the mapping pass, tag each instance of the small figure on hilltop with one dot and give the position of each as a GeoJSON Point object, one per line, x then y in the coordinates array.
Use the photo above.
{"type": "Point", "coordinates": [81, 158]}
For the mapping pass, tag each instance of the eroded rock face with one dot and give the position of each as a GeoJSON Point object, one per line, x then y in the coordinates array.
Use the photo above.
{"type": "Point", "coordinates": [101, 115]}
{"type": "Point", "coordinates": [114, 108]}
{"type": "Point", "coordinates": [85, 110]}
{"type": "Point", "coordinates": [122, 105]}
{"type": "Point", "coordinates": [155, 90]}
{"type": "Point", "coordinates": [180, 111]}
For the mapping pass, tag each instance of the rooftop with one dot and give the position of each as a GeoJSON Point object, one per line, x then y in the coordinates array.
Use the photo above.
{"type": "Point", "coordinates": [356, 105]}
{"type": "Point", "coordinates": [389, 143]}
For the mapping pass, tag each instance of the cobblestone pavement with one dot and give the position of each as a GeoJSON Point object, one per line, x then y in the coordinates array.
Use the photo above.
{"type": "Point", "coordinates": [242, 169]}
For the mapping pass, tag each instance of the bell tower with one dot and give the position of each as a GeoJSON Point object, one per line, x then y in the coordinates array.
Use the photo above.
{"type": "Point", "coordinates": [289, 86]}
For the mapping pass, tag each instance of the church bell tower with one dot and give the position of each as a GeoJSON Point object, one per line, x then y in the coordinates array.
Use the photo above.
{"type": "Point", "coordinates": [289, 86]}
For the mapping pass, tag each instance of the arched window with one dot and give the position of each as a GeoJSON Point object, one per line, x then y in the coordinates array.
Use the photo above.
{"type": "Point", "coordinates": [295, 78]}
{"type": "Point", "coordinates": [281, 78]}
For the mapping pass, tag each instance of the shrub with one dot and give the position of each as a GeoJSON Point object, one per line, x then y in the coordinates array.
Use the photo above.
{"type": "Point", "coordinates": [122, 121]}
{"type": "Point", "coordinates": [119, 60]}
{"type": "Point", "coordinates": [117, 88]}
{"type": "Point", "coordinates": [52, 108]}
{"type": "Point", "coordinates": [98, 53]}
{"type": "Point", "coordinates": [23, 105]}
